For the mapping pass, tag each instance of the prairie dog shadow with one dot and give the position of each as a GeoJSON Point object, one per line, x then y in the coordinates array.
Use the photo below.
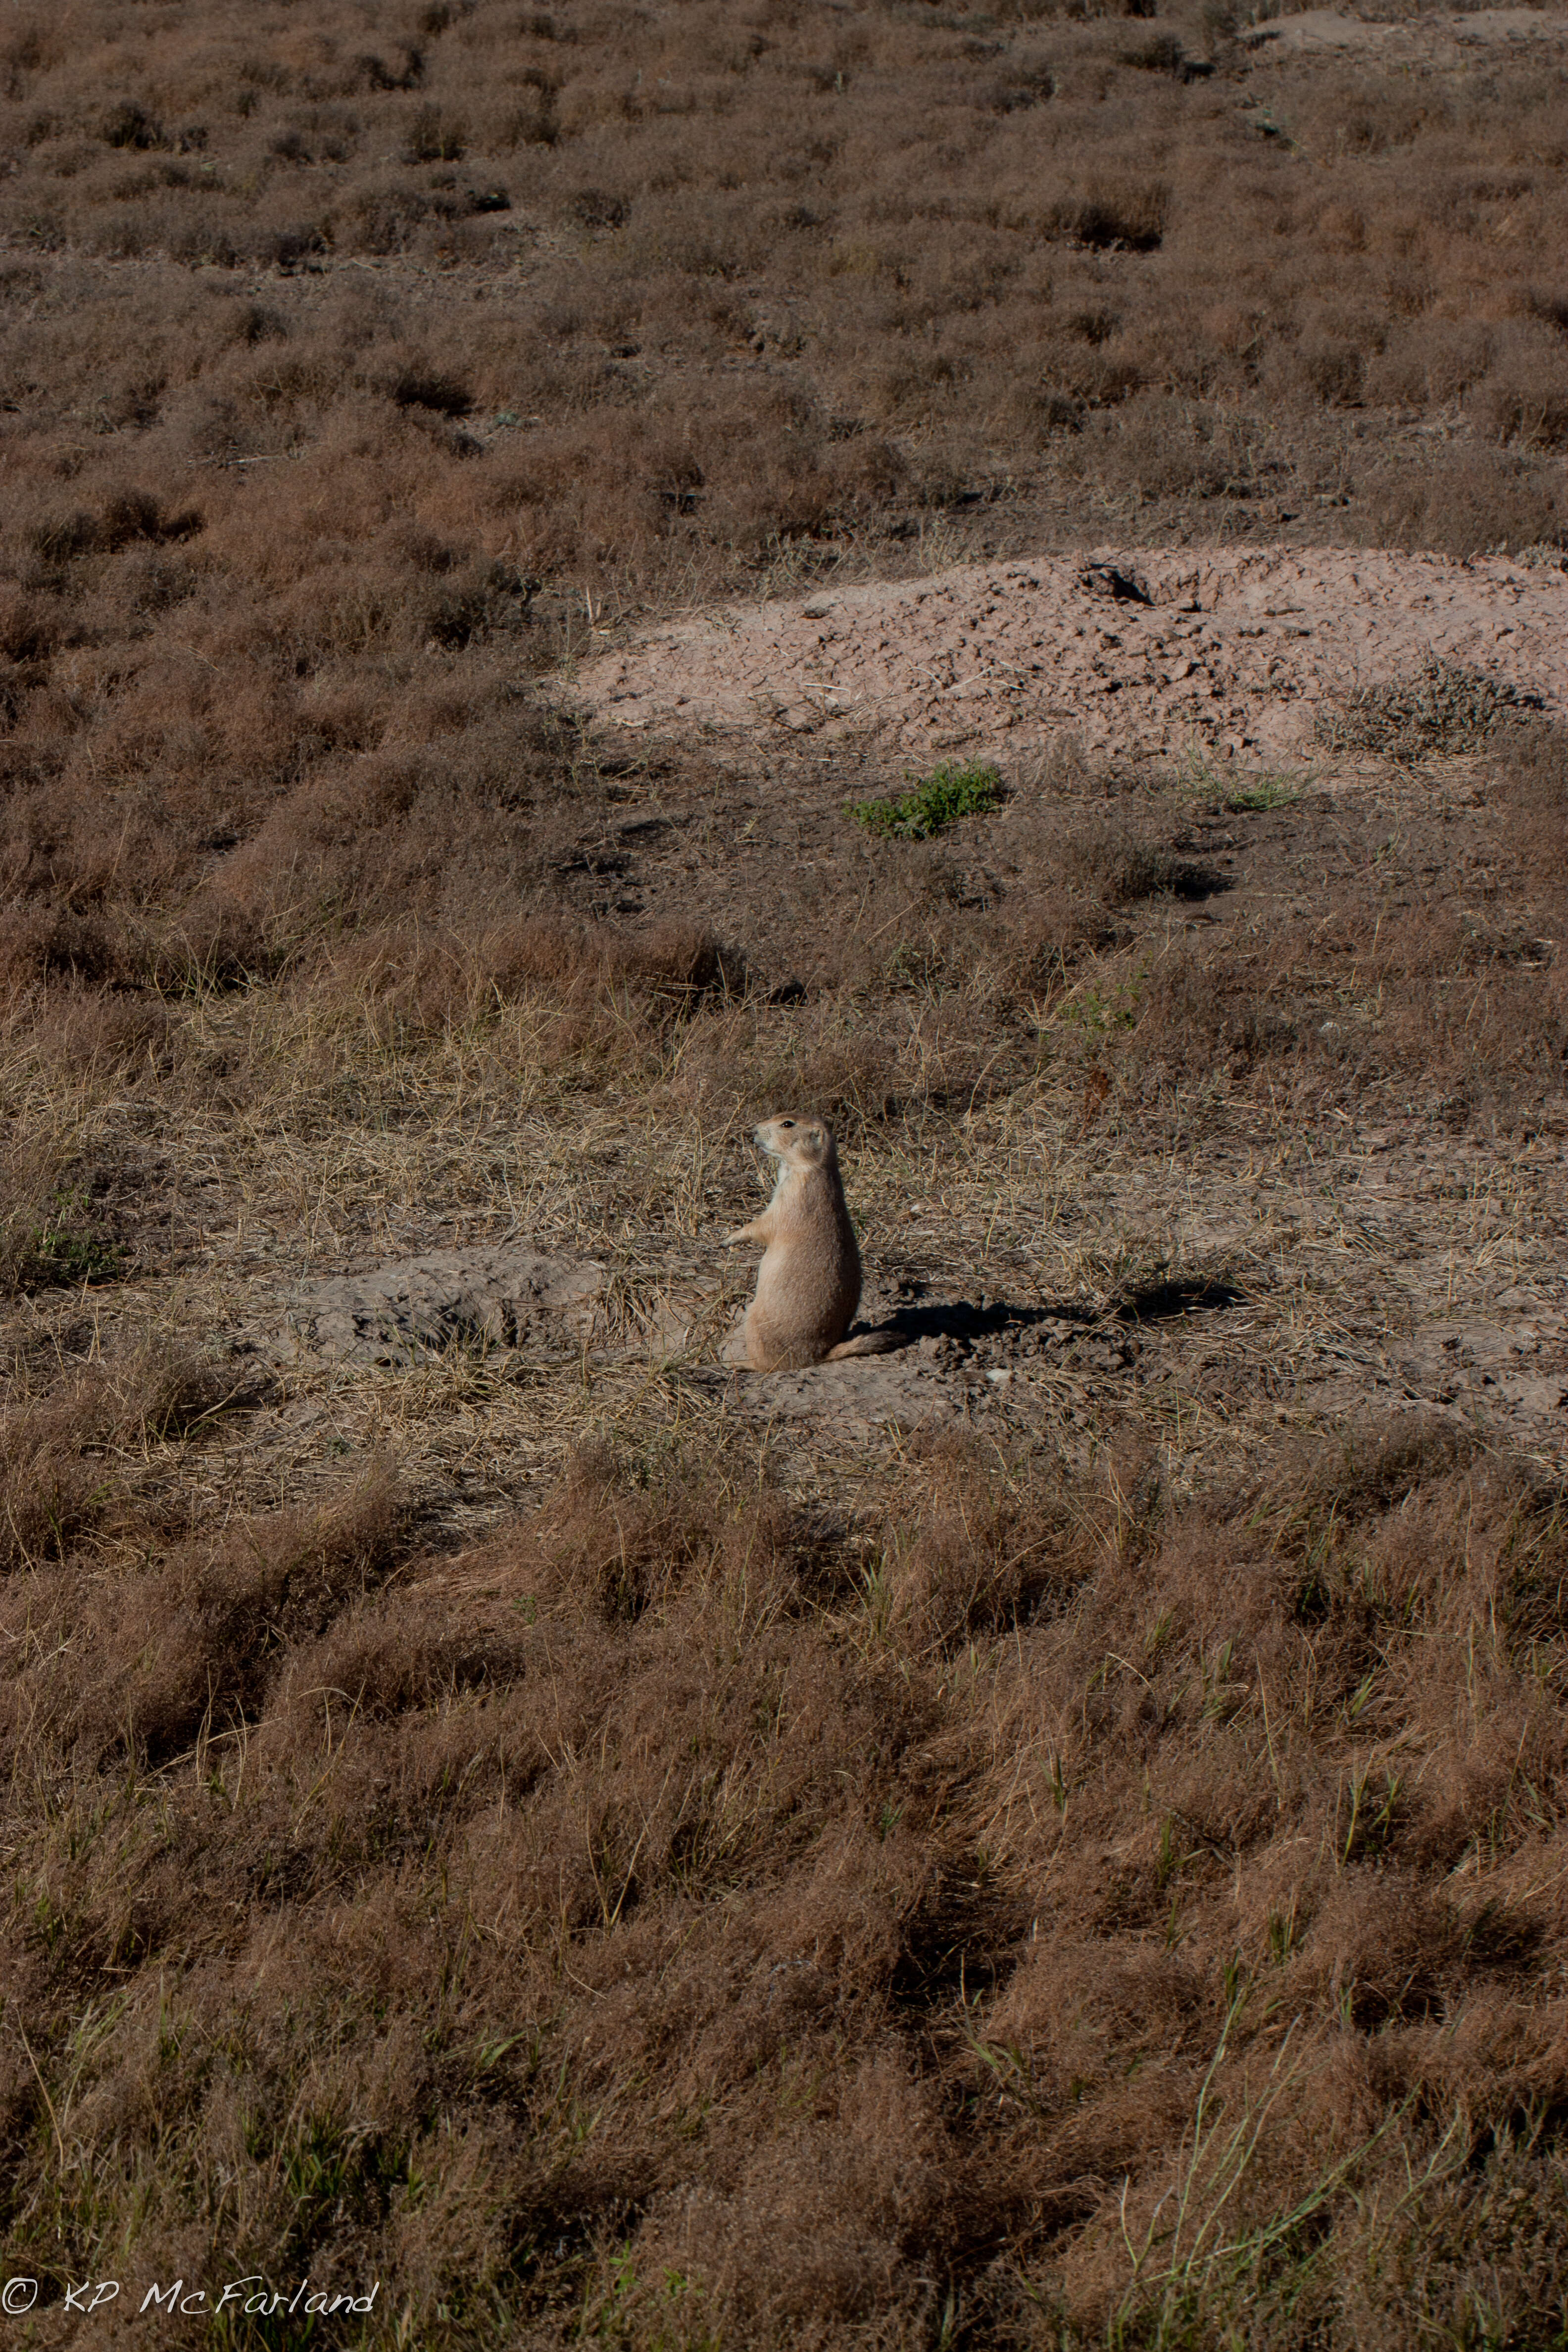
{"type": "Point", "coordinates": [904, 1324]}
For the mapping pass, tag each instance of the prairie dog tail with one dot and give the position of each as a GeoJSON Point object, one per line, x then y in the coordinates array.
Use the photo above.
{"type": "Point", "coordinates": [863, 1343]}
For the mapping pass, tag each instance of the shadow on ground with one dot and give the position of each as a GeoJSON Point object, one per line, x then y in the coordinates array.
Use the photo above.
{"type": "Point", "coordinates": [912, 1320]}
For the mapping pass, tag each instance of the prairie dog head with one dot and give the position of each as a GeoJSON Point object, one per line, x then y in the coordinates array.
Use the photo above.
{"type": "Point", "coordinates": [798, 1140]}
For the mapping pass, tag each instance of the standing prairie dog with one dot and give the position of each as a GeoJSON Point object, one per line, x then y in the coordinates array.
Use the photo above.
{"type": "Point", "coordinates": [808, 1284]}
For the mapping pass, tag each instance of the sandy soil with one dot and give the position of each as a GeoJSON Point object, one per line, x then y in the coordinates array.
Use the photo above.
{"type": "Point", "coordinates": [1215, 647]}
{"type": "Point", "coordinates": [1432, 43]}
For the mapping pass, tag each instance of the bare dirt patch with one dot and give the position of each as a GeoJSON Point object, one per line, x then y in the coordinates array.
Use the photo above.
{"type": "Point", "coordinates": [1235, 649]}
{"type": "Point", "coordinates": [1431, 43]}
{"type": "Point", "coordinates": [391, 1314]}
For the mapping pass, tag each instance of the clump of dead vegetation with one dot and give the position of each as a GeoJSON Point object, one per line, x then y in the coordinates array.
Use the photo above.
{"type": "Point", "coordinates": [1447, 709]}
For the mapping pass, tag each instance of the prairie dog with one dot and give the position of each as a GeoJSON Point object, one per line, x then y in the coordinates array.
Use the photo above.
{"type": "Point", "coordinates": [808, 1284]}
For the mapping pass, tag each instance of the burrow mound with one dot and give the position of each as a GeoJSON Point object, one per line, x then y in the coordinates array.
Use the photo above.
{"type": "Point", "coordinates": [1243, 652]}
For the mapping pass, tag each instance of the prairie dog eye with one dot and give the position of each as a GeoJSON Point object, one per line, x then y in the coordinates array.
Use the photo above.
{"type": "Point", "coordinates": [786, 1122]}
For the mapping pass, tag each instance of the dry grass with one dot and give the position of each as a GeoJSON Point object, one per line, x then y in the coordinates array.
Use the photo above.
{"type": "Point", "coordinates": [692, 1915]}
{"type": "Point", "coordinates": [534, 1825]}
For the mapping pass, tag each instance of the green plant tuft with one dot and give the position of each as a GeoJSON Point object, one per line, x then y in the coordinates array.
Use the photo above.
{"type": "Point", "coordinates": [66, 1248]}
{"type": "Point", "coordinates": [1268, 789]}
{"type": "Point", "coordinates": [1267, 793]}
{"type": "Point", "coordinates": [950, 791]}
